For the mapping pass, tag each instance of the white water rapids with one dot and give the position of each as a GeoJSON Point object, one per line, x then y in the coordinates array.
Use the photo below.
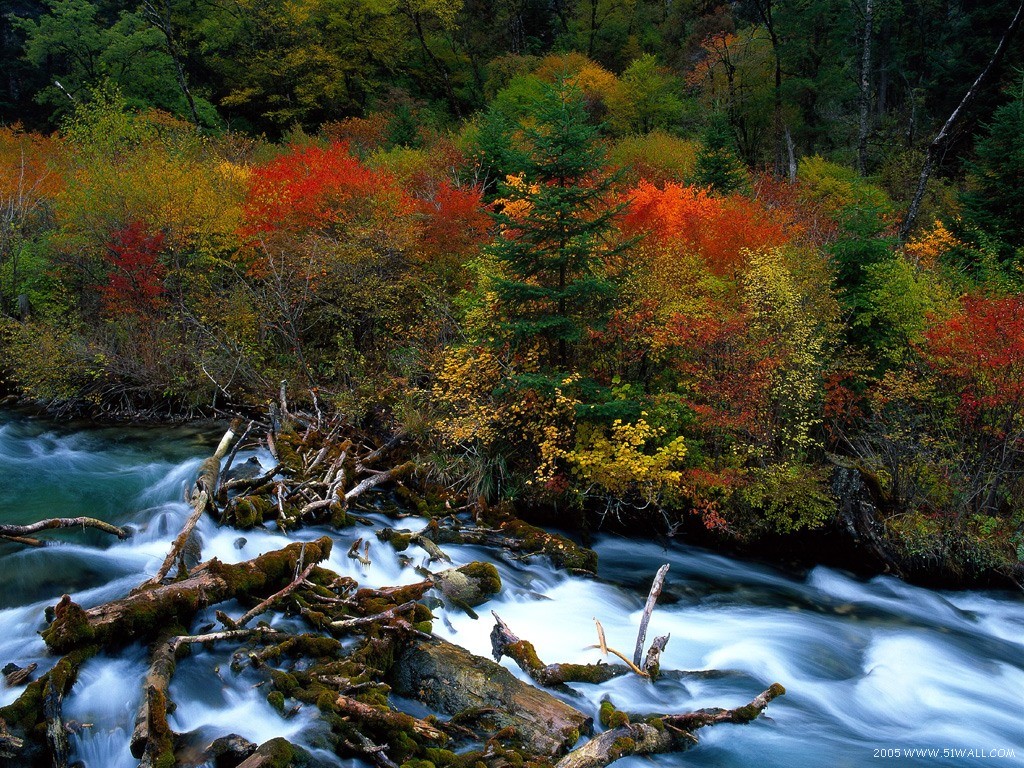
{"type": "Point", "coordinates": [873, 669]}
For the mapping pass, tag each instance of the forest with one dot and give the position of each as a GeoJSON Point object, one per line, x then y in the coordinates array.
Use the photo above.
{"type": "Point", "coordinates": [750, 272]}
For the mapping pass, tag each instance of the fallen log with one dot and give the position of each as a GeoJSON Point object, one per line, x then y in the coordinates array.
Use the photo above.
{"type": "Point", "coordinates": [452, 680]}
{"type": "Point", "coordinates": [468, 585]}
{"type": "Point", "coordinates": [150, 738]}
{"type": "Point", "coordinates": [10, 745]}
{"type": "Point", "coordinates": [388, 720]}
{"type": "Point", "coordinates": [56, 732]}
{"type": "Point", "coordinates": [36, 712]}
{"type": "Point", "coordinates": [22, 533]}
{"type": "Point", "coordinates": [15, 675]}
{"type": "Point", "coordinates": [278, 753]}
{"type": "Point", "coordinates": [505, 643]}
{"type": "Point", "coordinates": [514, 535]}
{"type": "Point", "coordinates": [660, 734]}
{"type": "Point", "coordinates": [143, 614]}
{"type": "Point", "coordinates": [201, 498]}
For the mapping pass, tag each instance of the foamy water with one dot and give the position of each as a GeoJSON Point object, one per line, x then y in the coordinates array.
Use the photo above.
{"type": "Point", "coordinates": [869, 666]}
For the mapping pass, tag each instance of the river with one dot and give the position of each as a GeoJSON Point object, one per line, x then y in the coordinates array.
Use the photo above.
{"type": "Point", "coordinates": [873, 669]}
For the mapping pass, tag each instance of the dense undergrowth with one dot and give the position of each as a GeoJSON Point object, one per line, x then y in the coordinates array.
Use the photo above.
{"type": "Point", "coordinates": [629, 325]}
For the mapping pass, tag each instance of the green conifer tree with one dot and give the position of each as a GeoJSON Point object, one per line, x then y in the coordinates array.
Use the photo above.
{"type": "Point", "coordinates": [994, 203]}
{"type": "Point", "coordinates": [554, 283]}
{"type": "Point", "coordinates": [718, 165]}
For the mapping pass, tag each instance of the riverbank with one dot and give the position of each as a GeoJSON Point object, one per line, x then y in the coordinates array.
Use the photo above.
{"type": "Point", "coordinates": [855, 537]}
{"type": "Point", "coordinates": [862, 661]}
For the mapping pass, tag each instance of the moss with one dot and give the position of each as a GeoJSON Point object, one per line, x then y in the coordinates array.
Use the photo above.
{"type": "Point", "coordinates": [524, 653]}
{"type": "Point", "coordinates": [276, 700]}
{"type": "Point", "coordinates": [621, 747]}
{"type": "Point", "coordinates": [442, 758]}
{"type": "Point", "coordinates": [284, 682]}
{"type": "Point", "coordinates": [70, 626]}
{"type": "Point", "coordinates": [286, 443]}
{"type": "Point", "coordinates": [339, 516]}
{"type": "Point", "coordinates": [161, 740]}
{"type": "Point", "coordinates": [400, 540]}
{"type": "Point", "coordinates": [26, 711]}
{"type": "Point", "coordinates": [610, 717]}
{"type": "Point", "coordinates": [281, 754]}
{"type": "Point", "coordinates": [564, 552]}
{"type": "Point", "coordinates": [249, 512]}
{"type": "Point", "coordinates": [417, 763]}
{"type": "Point", "coordinates": [371, 601]}
{"type": "Point", "coordinates": [485, 575]}
{"type": "Point", "coordinates": [587, 673]}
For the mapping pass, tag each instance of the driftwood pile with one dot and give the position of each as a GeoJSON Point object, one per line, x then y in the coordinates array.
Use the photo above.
{"type": "Point", "coordinates": [347, 648]}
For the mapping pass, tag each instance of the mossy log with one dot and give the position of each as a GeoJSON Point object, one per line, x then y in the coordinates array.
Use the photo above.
{"type": "Point", "coordinates": [452, 680]}
{"type": "Point", "coordinates": [143, 614]}
{"type": "Point", "coordinates": [279, 753]}
{"type": "Point", "coordinates": [375, 718]}
{"type": "Point", "coordinates": [468, 585]}
{"type": "Point", "coordinates": [10, 745]}
{"type": "Point", "coordinates": [505, 643]}
{"type": "Point", "coordinates": [34, 715]}
{"type": "Point", "coordinates": [201, 499]}
{"type": "Point", "coordinates": [154, 687]}
{"type": "Point", "coordinates": [513, 534]}
{"type": "Point", "coordinates": [56, 732]}
{"type": "Point", "coordinates": [657, 734]}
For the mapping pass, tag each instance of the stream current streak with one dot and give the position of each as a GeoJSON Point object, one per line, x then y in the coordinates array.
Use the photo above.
{"type": "Point", "coordinates": [876, 672]}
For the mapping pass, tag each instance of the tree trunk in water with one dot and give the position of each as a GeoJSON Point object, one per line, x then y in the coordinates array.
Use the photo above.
{"type": "Point", "coordinates": [450, 679]}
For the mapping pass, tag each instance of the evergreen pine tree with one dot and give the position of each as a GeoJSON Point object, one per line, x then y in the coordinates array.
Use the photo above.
{"type": "Point", "coordinates": [552, 249]}
{"type": "Point", "coordinates": [718, 165]}
{"type": "Point", "coordinates": [995, 202]}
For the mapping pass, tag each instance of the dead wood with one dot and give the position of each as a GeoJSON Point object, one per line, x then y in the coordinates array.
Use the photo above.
{"type": "Point", "coordinates": [37, 712]}
{"type": "Point", "coordinates": [151, 717]}
{"type": "Point", "coordinates": [201, 498]}
{"type": "Point", "coordinates": [514, 535]}
{"type": "Point", "coordinates": [388, 720]}
{"type": "Point", "coordinates": [276, 753]}
{"type": "Point", "coordinates": [143, 614]}
{"type": "Point", "coordinates": [468, 585]}
{"type": "Point", "coordinates": [657, 734]}
{"type": "Point", "coordinates": [56, 732]}
{"type": "Point", "coordinates": [452, 680]}
{"type": "Point", "coordinates": [15, 675]}
{"type": "Point", "coordinates": [231, 460]}
{"type": "Point", "coordinates": [20, 533]}
{"type": "Point", "coordinates": [376, 479]}
{"type": "Point", "coordinates": [652, 599]}
{"type": "Point", "coordinates": [344, 625]}
{"type": "Point", "coordinates": [505, 643]}
{"type": "Point", "coordinates": [10, 745]}
{"type": "Point", "coordinates": [652, 662]}
{"type": "Point", "coordinates": [274, 598]}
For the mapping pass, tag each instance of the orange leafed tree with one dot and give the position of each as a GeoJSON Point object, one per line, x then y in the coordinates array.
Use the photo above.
{"type": "Point", "coordinates": [310, 188]}
{"type": "Point", "coordinates": [719, 229]}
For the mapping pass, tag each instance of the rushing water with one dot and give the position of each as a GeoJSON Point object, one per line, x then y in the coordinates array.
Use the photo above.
{"type": "Point", "coordinates": [872, 669]}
